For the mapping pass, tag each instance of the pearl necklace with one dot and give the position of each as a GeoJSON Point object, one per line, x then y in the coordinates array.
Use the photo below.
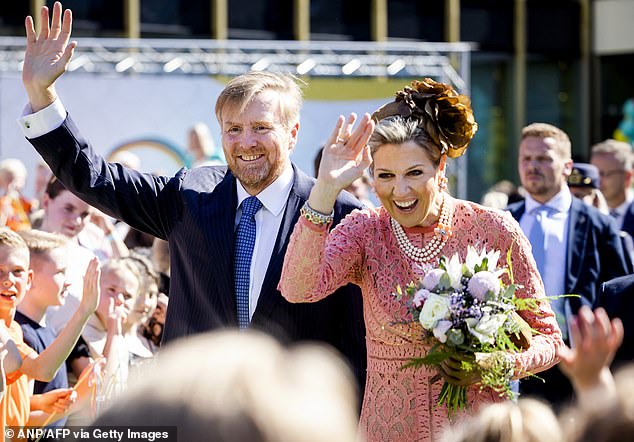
{"type": "Point", "coordinates": [433, 247]}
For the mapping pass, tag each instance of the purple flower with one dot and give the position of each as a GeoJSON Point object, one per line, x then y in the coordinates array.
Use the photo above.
{"type": "Point", "coordinates": [482, 283]}
{"type": "Point", "coordinates": [420, 297]}
{"type": "Point", "coordinates": [432, 278]}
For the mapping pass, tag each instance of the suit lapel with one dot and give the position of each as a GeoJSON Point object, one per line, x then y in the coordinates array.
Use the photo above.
{"type": "Point", "coordinates": [299, 194]}
{"type": "Point", "coordinates": [577, 236]}
{"type": "Point", "coordinates": [517, 210]}
{"type": "Point", "coordinates": [219, 210]}
{"type": "Point", "coordinates": [628, 221]}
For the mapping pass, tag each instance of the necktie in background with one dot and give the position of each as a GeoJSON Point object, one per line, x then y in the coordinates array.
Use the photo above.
{"type": "Point", "coordinates": [538, 237]}
{"type": "Point", "coordinates": [245, 240]}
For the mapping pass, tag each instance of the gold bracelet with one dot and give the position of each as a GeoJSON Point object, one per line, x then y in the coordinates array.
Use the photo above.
{"type": "Point", "coordinates": [315, 217]}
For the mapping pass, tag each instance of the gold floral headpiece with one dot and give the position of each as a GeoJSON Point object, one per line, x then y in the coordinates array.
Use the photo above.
{"type": "Point", "coordinates": [445, 115]}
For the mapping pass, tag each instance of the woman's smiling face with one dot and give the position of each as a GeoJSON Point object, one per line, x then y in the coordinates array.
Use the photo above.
{"type": "Point", "coordinates": [406, 182]}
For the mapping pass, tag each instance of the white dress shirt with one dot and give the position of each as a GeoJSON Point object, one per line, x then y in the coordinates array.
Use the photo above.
{"type": "Point", "coordinates": [267, 224]}
{"type": "Point", "coordinates": [36, 124]}
{"type": "Point", "coordinates": [556, 238]}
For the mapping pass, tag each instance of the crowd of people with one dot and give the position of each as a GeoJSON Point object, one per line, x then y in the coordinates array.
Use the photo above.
{"type": "Point", "coordinates": [257, 259]}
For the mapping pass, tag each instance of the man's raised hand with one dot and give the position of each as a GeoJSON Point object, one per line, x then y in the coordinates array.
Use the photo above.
{"type": "Point", "coordinates": [47, 55]}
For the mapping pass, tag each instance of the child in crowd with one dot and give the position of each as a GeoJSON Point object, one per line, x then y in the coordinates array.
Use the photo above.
{"type": "Point", "coordinates": [22, 362]}
{"type": "Point", "coordinates": [48, 261]}
{"type": "Point", "coordinates": [104, 332]}
{"type": "Point", "coordinates": [67, 215]}
{"type": "Point", "coordinates": [140, 348]}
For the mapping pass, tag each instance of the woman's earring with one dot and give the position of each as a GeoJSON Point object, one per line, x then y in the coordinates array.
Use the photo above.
{"type": "Point", "coordinates": [442, 183]}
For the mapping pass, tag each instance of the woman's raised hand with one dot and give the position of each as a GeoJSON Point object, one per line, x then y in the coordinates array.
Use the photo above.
{"type": "Point", "coordinates": [47, 55]}
{"type": "Point", "coordinates": [345, 157]}
{"type": "Point", "coordinates": [346, 154]}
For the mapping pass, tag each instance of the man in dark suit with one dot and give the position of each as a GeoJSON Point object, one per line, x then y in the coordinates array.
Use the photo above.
{"type": "Point", "coordinates": [614, 160]}
{"type": "Point", "coordinates": [199, 211]}
{"type": "Point", "coordinates": [576, 248]}
{"type": "Point", "coordinates": [618, 294]}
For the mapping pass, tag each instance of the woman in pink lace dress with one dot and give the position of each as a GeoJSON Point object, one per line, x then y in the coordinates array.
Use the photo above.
{"type": "Point", "coordinates": [399, 242]}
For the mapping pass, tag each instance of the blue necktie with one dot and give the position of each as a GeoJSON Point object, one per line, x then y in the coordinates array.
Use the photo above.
{"type": "Point", "coordinates": [245, 240]}
{"type": "Point", "coordinates": [537, 238]}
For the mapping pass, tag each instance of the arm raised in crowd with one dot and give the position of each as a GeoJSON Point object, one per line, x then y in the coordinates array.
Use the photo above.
{"type": "Point", "coordinates": [145, 202]}
{"type": "Point", "coordinates": [47, 55]}
{"type": "Point", "coordinates": [44, 366]}
{"type": "Point", "coordinates": [595, 340]}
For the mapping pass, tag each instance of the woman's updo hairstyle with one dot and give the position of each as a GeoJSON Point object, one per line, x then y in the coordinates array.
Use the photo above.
{"type": "Point", "coordinates": [437, 109]}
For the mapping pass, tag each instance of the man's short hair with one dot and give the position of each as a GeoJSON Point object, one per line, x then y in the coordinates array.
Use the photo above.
{"type": "Point", "coordinates": [11, 240]}
{"type": "Point", "coordinates": [621, 150]}
{"type": "Point", "coordinates": [40, 242]}
{"type": "Point", "coordinates": [54, 187]}
{"type": "Point", "coordinates": [563, 146]}
{"type": "Point", "coordinates": [240, 91]}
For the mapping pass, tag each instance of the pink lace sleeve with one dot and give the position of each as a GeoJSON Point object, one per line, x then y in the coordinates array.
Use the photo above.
{"type": "Point", "coordinates": [542, 353]}
{"type": "Point", "coordinates": [318, 262]}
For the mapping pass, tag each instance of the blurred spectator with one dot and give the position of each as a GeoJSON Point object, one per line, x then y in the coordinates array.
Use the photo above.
{"type": "Point", "coordinates": [152, 331]}
{"type": "Point", "coordinates": [127, 159]}
{"type": "Point", "coordinates": [14, 208]}
{"type": "Point", "coordinates": [201, 146]}
{"type": "Point", "coordinates": [242, 386]}
{"type": "Point", "coordinates": [102, 237]}
{"type": "Point", "coordinates": [43, 175]}
{"type": "Point", "coordinates": [528, 420]}
{"type": "Point", "coordinates": [139, 346]}
{"type": "Point", "coordinates": [618, 295]}
{"type": "Point", "coordinates": [501, 194]}
{"type": "Point", "coordinates": [135, 239]}
{"type": "Point", "coordinates": [583, 182]}
{"type": "Point", "coordinates": [614, 161]}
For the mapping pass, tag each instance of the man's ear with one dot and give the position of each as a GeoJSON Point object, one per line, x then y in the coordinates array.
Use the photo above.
{"type": "Point", "coordinates": [628, 178]}
{"type": "Point", "coordinates": [568, 167]}
{"type": "Point", "coordinates": [30, 280]}
{"type": "Point", "coordinates": [293, 136]}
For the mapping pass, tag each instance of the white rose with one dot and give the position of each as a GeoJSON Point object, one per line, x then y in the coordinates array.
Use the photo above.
{"type": "Point", "coordinates": [441, 329]}
{"type": "Point", "coordinates": [431, 279]}
{"type": "Point", "coordinates": [487, 327]}
{"type": "Point", "coordinates": [436, 308]}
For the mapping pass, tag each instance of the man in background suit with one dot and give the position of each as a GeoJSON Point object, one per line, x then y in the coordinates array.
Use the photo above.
{"type": "Point", "coordinates": [198, 211]}
{"type": "Point", "coordinates": [614, 160]}
{"type": "Point", "coordinates": [618, 294]}
{"type": "Point", "coordinates": [575, 246]}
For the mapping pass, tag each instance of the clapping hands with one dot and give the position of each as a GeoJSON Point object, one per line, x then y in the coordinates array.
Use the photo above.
{"type": "Point", "coordinates": [90, 297]}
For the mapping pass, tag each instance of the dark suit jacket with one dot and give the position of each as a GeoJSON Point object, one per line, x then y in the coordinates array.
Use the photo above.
{"type": "Point", "coordinates": [628, 221]}
{"type": "Point", "coordinates": [595, 252]}
{"type": "Point", "coordinates": [618, 296]}
{"type": "Point", "coordinates": [195, 211]}
{"type": "Point", "coordinates": [594, 255]}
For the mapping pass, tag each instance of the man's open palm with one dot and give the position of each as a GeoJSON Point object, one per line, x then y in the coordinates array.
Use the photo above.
{"type": "Point", "coordinates": [47, 54]}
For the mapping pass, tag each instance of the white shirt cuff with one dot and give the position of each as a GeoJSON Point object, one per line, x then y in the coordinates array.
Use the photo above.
{"type": "Point", "coordinates": [36, 124]}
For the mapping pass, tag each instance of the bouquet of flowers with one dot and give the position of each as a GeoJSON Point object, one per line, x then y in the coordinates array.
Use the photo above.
{"type": "Point", "coordinates": [469, 314]}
